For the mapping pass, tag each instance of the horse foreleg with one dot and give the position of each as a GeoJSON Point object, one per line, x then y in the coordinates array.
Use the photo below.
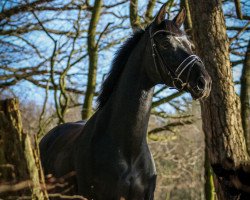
{"type": "Point", "coordinates": [149, 195]}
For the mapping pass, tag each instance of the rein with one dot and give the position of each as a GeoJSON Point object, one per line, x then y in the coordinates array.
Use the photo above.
{"type": "Point", "coordinates": [178, 83]}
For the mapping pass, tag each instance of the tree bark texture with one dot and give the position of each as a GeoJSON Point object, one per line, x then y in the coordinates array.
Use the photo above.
{"type": "Point", "coordinates": [245, 97]}
{"type": "Point", "coordinates": [238, 9]}
{"type": "Point", "coordinates": [149, 11]}
{"type": "Point", "coordinates": [209, 190]}
{"type": "Point", "coordinates": [133, 14]}
{"type": "Point", "coordinates": [18, 160]}
{"type": "Point", "coordinates": [221, 111]}
{"type": "Point", "coordinates": [188, 20]}
{"type": "Point", "coordinates": [93, 58]}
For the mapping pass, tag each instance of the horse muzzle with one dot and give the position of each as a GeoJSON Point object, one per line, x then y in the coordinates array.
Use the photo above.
{"type": "Point", "coordinates": [201, 88]}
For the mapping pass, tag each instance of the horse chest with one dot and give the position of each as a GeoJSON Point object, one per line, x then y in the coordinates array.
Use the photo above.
{"type": "Point", "coordinates": [123, 178]}
{"type": "Point", "coordinates": [113, 174]}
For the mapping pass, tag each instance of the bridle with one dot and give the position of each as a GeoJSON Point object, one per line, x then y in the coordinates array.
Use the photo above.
{"type": "Point", "coordinates": [187, 63]}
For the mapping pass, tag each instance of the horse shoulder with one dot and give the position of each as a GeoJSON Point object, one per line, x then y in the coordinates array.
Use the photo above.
{"type": "Point", "coordinates": [57, 146]}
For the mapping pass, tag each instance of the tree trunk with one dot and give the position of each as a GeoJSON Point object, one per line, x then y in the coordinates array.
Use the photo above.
{"type": "Point", "coordinates": [245, 97]}
{"type": "Point", "coordinates": [93, 58]}
{"type": "Point", "coordinates": [209, 190]}
{"type": "Point", "coordinates": [221, 111]}
{"type": "Point", "coordinates": [19, 162]}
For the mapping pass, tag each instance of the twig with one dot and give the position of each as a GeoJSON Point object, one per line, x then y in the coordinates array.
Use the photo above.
{"type": "Point", "coordinates": [15, 187]}
{"type": "Point", "coordinates": [160, 90]}
{"type": "Point", "coordinates": [52, 63]}
{"type": "Point", "coordinates": [239, 32]}
{"type": "Point", "coordinates": [41, 129]}
{"type": "Point", "coordinates": [61, 196]}
{"type": "Point", "coordinates": [40, 23]}
{"type": "Point", "coordinates": [169, 126]}
{"type": "Point", "coordinates": [166, 99]}
{"type": "Point", "coordinates": [238, 9]}
{"type": "Point", "coordinates": [100, 36]}
{"type": "Point", "coordinates": [165, 116]}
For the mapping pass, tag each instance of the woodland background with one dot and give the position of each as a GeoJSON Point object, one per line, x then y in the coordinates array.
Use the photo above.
{"type": "Point", "coordinates": [55, 54]}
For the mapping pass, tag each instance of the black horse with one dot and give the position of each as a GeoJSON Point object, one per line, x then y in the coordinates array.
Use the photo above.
{"type": "Point", "coordinates": [110, 154]}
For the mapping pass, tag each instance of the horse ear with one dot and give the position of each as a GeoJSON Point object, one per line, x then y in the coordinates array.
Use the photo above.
{"type": "Point", "coordinates": [160, 15]}
{"type": "Point", "coordinates": [180, 18]}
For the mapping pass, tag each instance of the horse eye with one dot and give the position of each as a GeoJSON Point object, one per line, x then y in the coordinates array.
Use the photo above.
{"type": "Point", "coordinates": [162, 35]}
{"type": "Point", "coordinates": [165, 44]}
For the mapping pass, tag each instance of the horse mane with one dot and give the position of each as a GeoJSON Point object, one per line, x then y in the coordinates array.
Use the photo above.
{"type": "Point", "coordinates": [117, 67]}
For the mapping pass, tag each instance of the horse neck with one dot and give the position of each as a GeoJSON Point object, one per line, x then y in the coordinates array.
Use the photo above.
{"type": "Point", "coordinates": [128, 109]}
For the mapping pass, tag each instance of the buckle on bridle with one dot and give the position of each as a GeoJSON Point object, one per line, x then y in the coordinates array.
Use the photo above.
{"type": "Point", "coordinates": [179, 84]}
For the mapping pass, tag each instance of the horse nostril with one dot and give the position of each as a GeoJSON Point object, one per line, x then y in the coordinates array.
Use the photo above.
{"type": "Point", "coordinates": [201, 83]}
